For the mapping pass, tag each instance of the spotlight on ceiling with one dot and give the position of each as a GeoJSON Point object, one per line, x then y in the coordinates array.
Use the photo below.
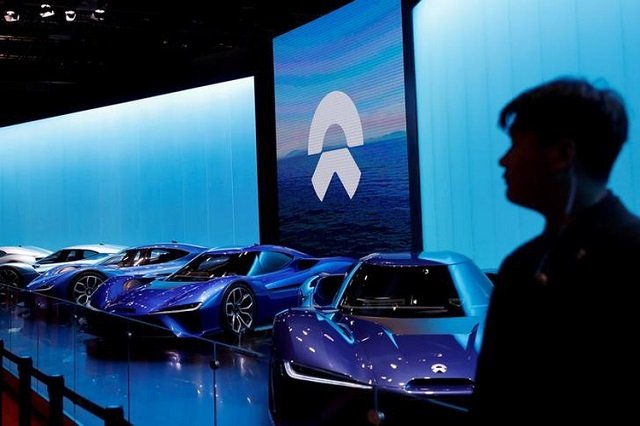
{"type": "Point", "coordinates": [46, 11]}
{"type": "Point", "coordinates": [99, 11]}
{"type": "Point", "coordinates": [70, 15]}
{"type": "Point", "coordinates": [11, 16]}
{"type": "Point", "coordinates": [97, 15]}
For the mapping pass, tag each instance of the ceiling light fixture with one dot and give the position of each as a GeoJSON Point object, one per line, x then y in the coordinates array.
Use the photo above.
{"type": "Point", "coordinates": [70, 15]}
{"type": "Point", "coordinates": [46, 11]}
{"type": "Point", "coordinates": [11, 16]}
{"type": "Point", "coordinates": [97, 15]}
{"type": "Point", "coordinates": [99, 12]}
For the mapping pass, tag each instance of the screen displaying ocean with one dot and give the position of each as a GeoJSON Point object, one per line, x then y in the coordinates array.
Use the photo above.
{"type": "Point", "coordinates": [377, 218]}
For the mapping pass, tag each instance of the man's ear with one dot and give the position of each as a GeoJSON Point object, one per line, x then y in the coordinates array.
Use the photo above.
{"type": "Point", "coordinates": [562, 154]}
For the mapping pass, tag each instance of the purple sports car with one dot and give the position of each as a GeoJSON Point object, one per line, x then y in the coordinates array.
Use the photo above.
{"type": "Point", "coordinates": [397, 337]}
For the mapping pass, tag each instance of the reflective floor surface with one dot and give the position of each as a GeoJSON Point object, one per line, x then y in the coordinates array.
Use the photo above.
{"type": "Point", "coordinates": [157, 381]}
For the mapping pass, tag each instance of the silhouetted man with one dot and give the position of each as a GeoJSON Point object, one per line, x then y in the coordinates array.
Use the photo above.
{"type": "Point", "coordinates": [561, 323]}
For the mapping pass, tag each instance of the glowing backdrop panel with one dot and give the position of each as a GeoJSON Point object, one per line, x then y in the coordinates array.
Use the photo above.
{"type": "Point", "coordinates": [473, 56]}
{"type": "Point", "coordinates": [180, 166]}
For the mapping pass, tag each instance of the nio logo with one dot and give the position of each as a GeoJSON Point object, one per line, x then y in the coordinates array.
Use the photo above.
{"type": "Point", "coordinates": [335, 108]}
{"type": "Point", "coordinates": [439, 368]}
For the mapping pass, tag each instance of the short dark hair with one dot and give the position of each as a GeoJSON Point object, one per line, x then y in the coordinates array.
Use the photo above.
{"type": "Point", "coordinates": [595, 119]}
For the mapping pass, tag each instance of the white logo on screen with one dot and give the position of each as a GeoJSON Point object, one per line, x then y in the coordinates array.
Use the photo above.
{"type": "Point", "coordinates": [336, 108]}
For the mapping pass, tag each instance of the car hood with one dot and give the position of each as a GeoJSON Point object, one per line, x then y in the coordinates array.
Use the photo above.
{"type": "Point", "coordinates": [427, 356]}
{"type": "Point", "coordinates": [160, 295]}
{"type": "Point", "coordinates": [409, 353]}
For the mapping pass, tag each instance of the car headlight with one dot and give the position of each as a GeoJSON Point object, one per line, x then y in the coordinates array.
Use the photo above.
{"type": "Point", "coordinates": [299, 372]}
{"type": "Point", "coordinates": [187, 307]}
{"type": "Point", "coordinates": [41, 288]}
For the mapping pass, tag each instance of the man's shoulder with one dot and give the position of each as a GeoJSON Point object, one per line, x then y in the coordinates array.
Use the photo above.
{"type": "Point", "coordinates": [531, 248]}
{"type": "Point", "coordinates": [620, 220]}
{"type": "Point", "coordinates": [623, 227]}
{"type": "Point", "coordinates": [626, 237]}
{"type": "Point", "coordinates": [524, 259]}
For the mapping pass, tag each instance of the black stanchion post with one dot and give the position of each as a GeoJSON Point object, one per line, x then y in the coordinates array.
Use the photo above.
{"type": "Point", "coordinates": [1, 378]}
{"type": "Point", "coordinates": [214, 363]}
{"type": "Point", "coordinates": [55, 388]}
{"type": "Point", "coordinates": [25, 370]}
{"type": "Point", "coordinates": [114, 416]}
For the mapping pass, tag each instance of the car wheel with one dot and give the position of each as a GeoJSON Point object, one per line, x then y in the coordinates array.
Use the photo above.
{"type": "Point", "coordinates": [10, 277]}
{"type": "Point", "coordinates": [273, 408]}
{"type": "Point", "coordinates": [84, 285]}
{"type": "Point", "coordinates": [281, 392]}
{"type": "Point", "coordinates": [238, 309]}
{"type": "Point", "coordinates": [276, 393]}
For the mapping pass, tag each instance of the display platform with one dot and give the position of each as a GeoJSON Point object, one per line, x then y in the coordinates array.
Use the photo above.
{"type": "Point", "coordinates": [156, 380]}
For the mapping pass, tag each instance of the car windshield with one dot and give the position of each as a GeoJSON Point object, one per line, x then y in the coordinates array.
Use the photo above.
{"type": "Point", "coordinates": [68, 255]}
{"type": "Point", "coordinates": [142, 257]}
{"type": "Point", "coordinates": [207, 266]}
{"type": "Point", "coordinates": [402, 291]}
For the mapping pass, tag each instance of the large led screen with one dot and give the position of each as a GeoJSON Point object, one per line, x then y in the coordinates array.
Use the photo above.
{"type": "Point", "coordinates": [179, 166]}
{"type": "Point", "coordinates": [342, 162]}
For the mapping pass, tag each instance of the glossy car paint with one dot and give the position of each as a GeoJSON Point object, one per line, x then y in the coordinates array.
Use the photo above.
{"type": "Point", "coordinates": [333, 354]}
{"type": "Point", "coordinates": [58, 282]}
{"type": "Point", "coordinates": [24, 273]}
{"type": "Point", "coordinates": [195, 308]}
{"type": "Point", "coordinates": [22, 254]}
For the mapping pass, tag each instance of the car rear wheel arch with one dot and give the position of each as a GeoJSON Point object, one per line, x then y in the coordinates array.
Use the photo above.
{"type": "Point", "coordinates": [10, 276]}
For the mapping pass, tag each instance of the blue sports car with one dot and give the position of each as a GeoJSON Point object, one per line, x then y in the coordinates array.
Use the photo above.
{"type": "Point", "coordinates": [396, 338]}
{"type": "Point", "coordinates": [230, 290]}
{"type": "Point", "coordinates": [76, 282]}
{"type": "Point", "coordinates": [20, 273]}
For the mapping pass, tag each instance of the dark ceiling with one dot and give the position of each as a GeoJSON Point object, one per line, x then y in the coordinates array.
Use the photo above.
{"type": "Point", "coordinates": [49, 66]}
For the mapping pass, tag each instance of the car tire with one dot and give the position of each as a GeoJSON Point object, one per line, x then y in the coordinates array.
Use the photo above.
{"type": "Point", "coordinates": [274, 393]}
{"type": "Point", "coordinates": [10, 277]}
{"type": "Point", "coordinates": [83, 286]}
{"type": "Point", "coordinates": [238, 309]}
{"type": "Point", "coordinates": [283, 390]}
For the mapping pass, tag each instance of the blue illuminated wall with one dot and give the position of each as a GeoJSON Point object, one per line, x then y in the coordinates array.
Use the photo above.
{"type": "Point", "coordinates": [180, 166]}
{"type": "Point", "coordinates": [472, 56]}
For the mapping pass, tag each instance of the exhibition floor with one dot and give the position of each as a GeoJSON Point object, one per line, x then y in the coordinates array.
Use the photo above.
{"type": "Point", "coordinates": [157, 381]}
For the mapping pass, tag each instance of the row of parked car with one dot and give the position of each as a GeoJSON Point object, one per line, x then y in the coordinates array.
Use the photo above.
{"type": "Point", "coordinates": [394, 328]}
{"type": "Point", "coordinates": [188, 289]}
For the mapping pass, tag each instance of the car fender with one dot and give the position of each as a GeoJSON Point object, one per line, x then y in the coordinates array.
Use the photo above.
{"type": "Point", "coordinates": [314, 338]}
{"type": "Point", "coordinates": [22, 268]}
{"type": "Point", "coordinates": [60, 283]}
{"type": "Point", "coordinates": [25, 270]}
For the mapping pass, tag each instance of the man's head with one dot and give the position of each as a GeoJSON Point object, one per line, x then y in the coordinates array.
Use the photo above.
{"type": "Point", "coordinates": [594, 120]}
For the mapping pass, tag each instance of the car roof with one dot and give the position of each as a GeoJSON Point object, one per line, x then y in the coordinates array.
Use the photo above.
{"type": "Point", "coordinates": [415, 258]}
{"type": "Point", "coordinates": [256, 247]}
{"type": "Point", "coordinates": [183, 246]}
{"type": "Point", "coordinates": [24, 250]}
{"type": "Point", "coordinates": [99, 247]}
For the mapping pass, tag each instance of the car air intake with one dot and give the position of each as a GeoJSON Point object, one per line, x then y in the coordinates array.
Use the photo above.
{"type": "Point", "coordinates": [440, 386]}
